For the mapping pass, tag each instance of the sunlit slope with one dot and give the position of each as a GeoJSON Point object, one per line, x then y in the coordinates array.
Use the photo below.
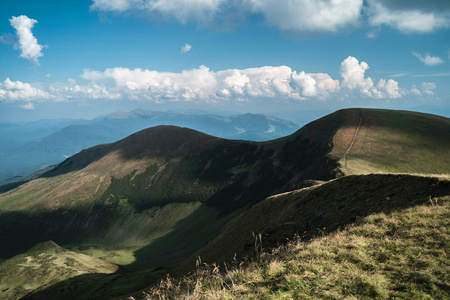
{"type": "Point", "coordinates": [316, 211]}
{"type": "Point", "coordinates": [372, 140]}
{"type": "Point", "coordinates": [44, 265]}
{"type": "Point", "coordinates": [399, 254]}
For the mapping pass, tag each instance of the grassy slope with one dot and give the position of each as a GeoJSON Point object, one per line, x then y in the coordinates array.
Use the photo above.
{"type": "Point", "coordinates": [45, 265]}
{"type": "Point", "coordinates": [397, 254]}
{"type": "Point", "coordinates": [314, 211]}
{"type": "Point", "coordinates": [393, 141]}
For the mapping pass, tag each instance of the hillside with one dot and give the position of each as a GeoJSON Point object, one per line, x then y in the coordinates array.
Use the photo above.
{"type": "Point", "coordinates": [44, 265]}
{"type": "Point", "coordinates": [370, 141]}
{"type": "Point", "coordinates": [151, 200]}
{"type": "Point", "coordinates": [315, 211]}
{"type": "Point", "coordinates": [401, 252]}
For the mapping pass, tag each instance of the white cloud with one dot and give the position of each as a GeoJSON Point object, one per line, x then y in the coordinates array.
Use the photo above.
{"type": "Point", "coordinates": [19, 91]}
{"type": "Point", "coordinates": [27, 43]}
{"type": "Point", "coordinates": [297, 15]}
{"type": "Point", "coordinates": [427, 88]}
{"type": "Point", "coordinates": [91, 91]}
{"type": "Point", "coordinates": [180, 10]}
{"type": "Point", "coordinates": [48, 75]}
{"type": "Point", "coordinates": [306, 83]}
{"type": "Point", "coordinates": [309, 15]}
{"type": "Point", "coordinates": [412, 16]}
{"type": "Point", "coordinates": [390, 88]}
{"type": "Point", "coordinates": [415, 91]}
{"type": "Point", "coordinates": [428, 59]}
{"type": "Point", "coordinates": [281, 82]}
{"type": "Point", "coordinates": [185, 10]}
{"type": "Point", "coordinates": [267, 83]}
{"type": "Point", "coordinates": [236, 83]}
{"type": "Point", "coordinates": [409, 16]}
{"type": "Point", "coordinates": [353, 74]}
{"type": "Point", "coordinates": [186, 48]}
{"type": "Point", "coordinates": [28, 106]}
{"type": "Point", "coordinates": [116, 5]}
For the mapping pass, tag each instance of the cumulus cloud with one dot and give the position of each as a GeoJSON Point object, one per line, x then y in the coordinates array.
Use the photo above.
{"type": "Point", "coordinates": [206, 85]}
{"type": "Point", "coordinates": [27, 42]}
{"type": "Point", "coordinates": [267, 83]}
{"type": "Point", "coordinates": [413, 16]}
{"type": "Point", "coordinates": [428, 59]}
{"type": "Point", "coordinates": [280, 82]}
{"type": "Point", "coordinates": [186, 48]}
{"type": "Point", "coordinates": [354, 78]}
{"type": "Point", "coordinates": [19, 91]}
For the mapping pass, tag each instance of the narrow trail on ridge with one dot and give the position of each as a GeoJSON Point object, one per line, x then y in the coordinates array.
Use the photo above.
{"type": "Point", "coordinates": [352, 143]}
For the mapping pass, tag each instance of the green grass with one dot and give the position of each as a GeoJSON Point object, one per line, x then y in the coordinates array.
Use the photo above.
{"type": "Point", "coordinates": [400, 142]}
{"type": "Point", "coordinates": [117, 255]}
{"type": "Point", "coordinates": [317, 210]}
{"type": "Point", "coordinates": [44, 265]}
{"type": "Point", "coordinates": [402, 254]}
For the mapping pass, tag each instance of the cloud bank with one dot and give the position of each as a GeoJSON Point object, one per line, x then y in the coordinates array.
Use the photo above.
{"type": "Point", "coordinates": [414, 16]}
{"type": "Point", "coordinates": [27, 42]}
{"type": "Point", "coordinates": [202, 85]}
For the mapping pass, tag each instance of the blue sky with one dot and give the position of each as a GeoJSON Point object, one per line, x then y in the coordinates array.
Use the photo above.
{"type": "Point", "coordinates": [83, 58]}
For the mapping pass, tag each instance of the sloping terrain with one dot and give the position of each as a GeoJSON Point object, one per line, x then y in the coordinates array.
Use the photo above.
{"type": "Point", "coordinates": [315, 211]}
{"type": "Point", "coordinates": [145, 188]}
{"type": "Point", "coordinates": [399, 253]}
{"type": "Point", "coordinates": [44, 265]}
{"type": "Point", "coordinates": [153, 199]}
{"type": "Point", "coordinates": [392, 141]}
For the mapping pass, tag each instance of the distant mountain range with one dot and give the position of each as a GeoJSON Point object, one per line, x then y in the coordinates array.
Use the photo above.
{"type": "Point", "coordinates": [29, 147]}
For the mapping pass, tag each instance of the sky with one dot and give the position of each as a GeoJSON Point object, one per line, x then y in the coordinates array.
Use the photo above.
{"type": "Point", "coordinates": [85, 58]}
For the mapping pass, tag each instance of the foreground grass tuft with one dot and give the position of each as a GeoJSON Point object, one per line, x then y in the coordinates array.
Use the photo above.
{"type": "Point", "coordinates": [403, 254]}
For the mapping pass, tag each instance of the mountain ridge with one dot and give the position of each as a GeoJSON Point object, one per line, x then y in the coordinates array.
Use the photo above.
{"type": "Point", "coordinates": [154, 198]}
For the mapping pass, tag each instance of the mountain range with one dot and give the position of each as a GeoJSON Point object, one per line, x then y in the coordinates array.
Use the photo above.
{"type": "Point", "coordinates": [26, 148]}
{"type": "Point", "coordinates": [156, 200]}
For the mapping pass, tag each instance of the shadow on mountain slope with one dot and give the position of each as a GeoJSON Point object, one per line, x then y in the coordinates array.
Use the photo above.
{"type": "Point", "coordinates": [314, 211]}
